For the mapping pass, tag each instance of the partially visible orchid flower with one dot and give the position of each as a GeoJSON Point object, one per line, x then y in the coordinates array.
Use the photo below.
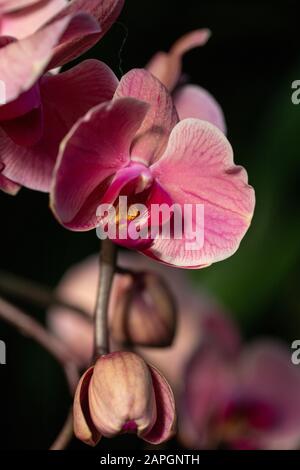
{"type": "Point", "coordinates": [41, 108]}
{"type": "Point", "coordinates": [134, 146]}
{"type": "Point", "coordinates": [250, 400]}
{"type": "Point", "coordinates": [191, 101]}
{"type": "Point", "coordinates": [142, 308]}
{"type": "Point", "coordinates": [198, 315]}
{"type": "Point", "coordinates": [122, 394]}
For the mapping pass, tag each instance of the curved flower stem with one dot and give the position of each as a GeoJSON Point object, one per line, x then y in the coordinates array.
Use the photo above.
{"type": "Point", "coordinates": [31, 328]}
{"type": "Point", "coordinates": [34, 293]}
{"type": "Point", "coordinates": [107, 261]}
{"type": "Point", "coordinates": [65, 435]}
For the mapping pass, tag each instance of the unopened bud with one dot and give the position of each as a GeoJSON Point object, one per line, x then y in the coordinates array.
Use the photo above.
{"type": "Point", "coordinates": [122, 394]}
{"type": "Point", "coordinates": [144, 311]}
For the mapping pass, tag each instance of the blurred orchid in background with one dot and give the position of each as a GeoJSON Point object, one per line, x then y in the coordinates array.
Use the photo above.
{"type": "Point", "coordinates": [198, 314]}
{"type": "Point", "coordinates": [142, 308]}
{"type": "Point", "coordinates": [142, 334]}
{"type": "Point", "coordinates": [228, 395]}
{"type": "Point", "coordinates": [247, 400]}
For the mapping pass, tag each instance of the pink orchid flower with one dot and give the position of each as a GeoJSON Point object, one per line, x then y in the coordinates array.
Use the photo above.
{"type": "Point", "coordinates": [40, 108]}
{"type": "Point", "coordinates": [135, 146]}
{"type": "Point", "coordinates": [191, 101]}
{"type": "Point", "coordinates": [122, 394]}
{"type": "Point", "coordinates": [250, 400]}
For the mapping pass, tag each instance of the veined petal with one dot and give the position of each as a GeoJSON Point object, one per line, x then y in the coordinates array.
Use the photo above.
{"type": "Point", "coordinates": [202, 156]}
{"type": "Point", "coordinates": [95, 149]}
{"type": "Point", "coordinates": [152, 136]}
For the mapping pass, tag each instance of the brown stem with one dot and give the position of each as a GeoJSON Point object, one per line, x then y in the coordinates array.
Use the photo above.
{"type": "Point", "coordinates": [65, 435]}
{"type": "Point", "coordinates": [107, 261]}
{"type": "Point", "coordinates": [35, 293]}
{"type": "Point", "coordinates": [31, 328]}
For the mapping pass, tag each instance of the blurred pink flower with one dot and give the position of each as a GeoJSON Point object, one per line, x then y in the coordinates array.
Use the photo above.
{"type": "Point", "coordinates": [198, 315]}
{"type": "Point", "coordinates": [40, 108]}
{"type": "Point", "coordinates": [191, 101]}
{"type": "Point", "coordinates": [122, 394]}
{"type": "Point", "coordinates": [150, 149]}
{"type": "Point", "coordinates": [249, 400]}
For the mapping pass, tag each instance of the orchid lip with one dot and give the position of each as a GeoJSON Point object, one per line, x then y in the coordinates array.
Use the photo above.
{"type": "Point", "coordinates": [135, 171]}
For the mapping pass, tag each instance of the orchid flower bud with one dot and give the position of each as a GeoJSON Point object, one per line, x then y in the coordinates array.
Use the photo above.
{"type": "Point", "coordinates": [144, 311]}
{"type": "Point", "coordinates": [122, 394]}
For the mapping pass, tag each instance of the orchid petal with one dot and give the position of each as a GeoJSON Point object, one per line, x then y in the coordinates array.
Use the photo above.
{"type": "Point", "coordinates": [152, 137]}
{"type": "Point", "coordinates": [167, 66]}
{"type": "Point", "coordinates": [94, 150]}
{"type": "Point", "coordinates": [33, 166]}
{"type": "Point", "coordinates": [103, 12]}
{"type": "Point", "coordinates": [15, 5]}
{"type": "Point", "coordinates": [7, 185]}
{"type": "Point", "coordinates": [84, 428]}
{"type": "Point", "coordinates": [121, 395]}
{"type": "Point", "coordinates": [25, 103]}
{"type": "Point", "coordinates": [77, 38]}
{"type": "Point", "coordinates": [192, 101]}
{"type": "Point", "coordinates": [203, 158]}
{"type": "Point", "coordinates": [22, 62]}
{"type": "Point", "coordinates": [25, 130]}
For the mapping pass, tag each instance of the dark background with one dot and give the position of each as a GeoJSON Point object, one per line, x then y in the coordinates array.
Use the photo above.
{"type": "Point", "coordinates": [248, 65]}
